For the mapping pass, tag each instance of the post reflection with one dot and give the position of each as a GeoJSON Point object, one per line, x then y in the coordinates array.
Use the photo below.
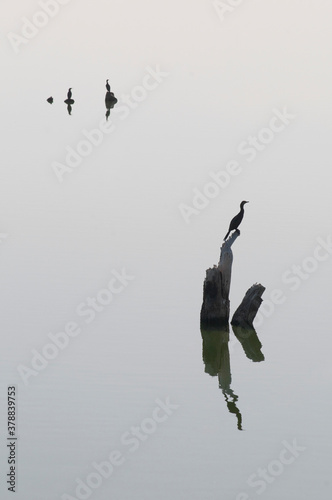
{"type": "Point", "coordinates": [216, 359]}
{"type": "Point", "coordinates": [250, 342]}
{"type": "Point", "coordinates": [231, 399]}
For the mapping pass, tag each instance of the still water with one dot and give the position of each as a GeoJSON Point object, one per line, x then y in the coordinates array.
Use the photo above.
{"type": "Point", "coordinates": [108, 226]}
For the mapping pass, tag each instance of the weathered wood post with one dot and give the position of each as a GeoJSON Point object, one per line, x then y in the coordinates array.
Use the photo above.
{"type": "Point", "coordinates": [225, 264]}
{"type": "Point", "coordinates": [247, 310]}
{"type": "Point", "coordinates": [215, 307]}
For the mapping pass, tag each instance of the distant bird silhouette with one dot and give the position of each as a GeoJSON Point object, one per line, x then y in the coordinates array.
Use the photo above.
{"type": "Point", "coordinates": [108, 88]}
{"type": "Point", "coordinates": [236, 221]}
{"type": "Point", "coordinates": [110, 102]}
{"type": "Point", "coordinates": [50, 100]}
{"type": "Point", "coordinates": [69, 101]}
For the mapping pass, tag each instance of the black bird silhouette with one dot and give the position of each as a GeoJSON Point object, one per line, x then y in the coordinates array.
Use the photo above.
{"type": "Point", "coordinates": [108, 88]}
{"type": "Point", "coordinates": [69, 101]}
{"type": "Point", "coordinates": [236, 221]}
{"type": "Point", "coordinates": [50, 100]}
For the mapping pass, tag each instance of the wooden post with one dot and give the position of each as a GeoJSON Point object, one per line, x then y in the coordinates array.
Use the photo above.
{"type": "Point", "coordinates": [225, 264]}
{"type": "Point", "coordinates": [214, 311]}
{"type": "Point", "coordinates": [215, 307]}
{"type": "Point", "coordinates": [247, 310]}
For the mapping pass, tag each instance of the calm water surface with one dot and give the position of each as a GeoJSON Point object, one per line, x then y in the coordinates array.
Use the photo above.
{"type": "Point", "coordinates": [180, 413]}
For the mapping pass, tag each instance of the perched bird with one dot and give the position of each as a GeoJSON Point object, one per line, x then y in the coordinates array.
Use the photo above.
{"type": "Point", "coordinates": [69, 101]}
{"type": "Point", "coordinates": [50, 100]}
{"type": "Point", "coordinates": [236, 221]}
{"type": "Point", "coordinates": [108, 88]}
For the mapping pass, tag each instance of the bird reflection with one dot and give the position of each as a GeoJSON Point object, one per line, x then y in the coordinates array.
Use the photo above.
{"type": "Point", "coordinates": [69, 101]}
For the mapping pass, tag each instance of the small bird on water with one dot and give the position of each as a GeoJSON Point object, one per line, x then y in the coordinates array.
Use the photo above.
{"type": "Point", "coordinates": [108, 88]}
{"type": "Point", "coordinates": [236, 221]}
{"type": "Point", "coordinates": [50, 100]}
{"type": "Point", "coordinates": [69, 94]}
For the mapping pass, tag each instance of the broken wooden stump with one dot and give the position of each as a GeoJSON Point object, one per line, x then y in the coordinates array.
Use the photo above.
{"type": "Point", "coordinates": [225, 264]}
{"type": "Point", "coordinates": [247, 310]}
{"type": "Point", "coordinates": [215, 307]}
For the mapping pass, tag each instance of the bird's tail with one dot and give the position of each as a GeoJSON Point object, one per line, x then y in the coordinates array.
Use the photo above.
{"type": "Point", "coordinates": [226, 236]}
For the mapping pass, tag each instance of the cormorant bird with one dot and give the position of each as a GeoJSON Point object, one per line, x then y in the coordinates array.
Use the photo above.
{"type": "Point", "coordinates": [236, 221]}
{"type": "Point", "coordinates": [108, 88]}
{"type": "Point", "coordinates": [69, 101]}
